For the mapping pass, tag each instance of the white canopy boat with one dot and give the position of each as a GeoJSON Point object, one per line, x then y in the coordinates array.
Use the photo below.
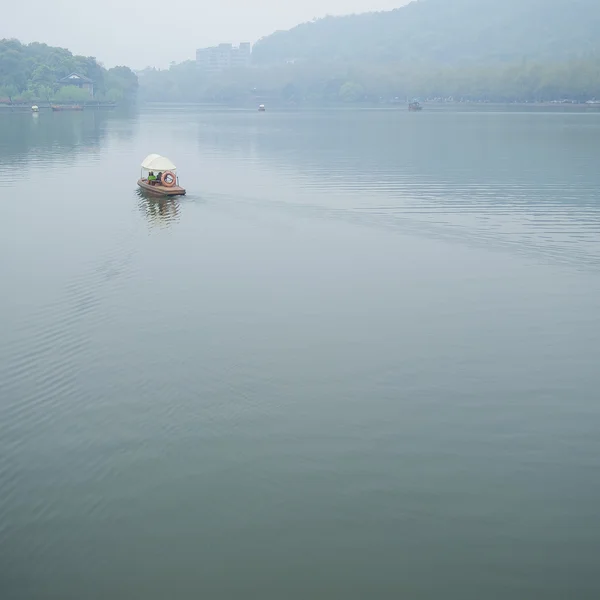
{"type": "Point", "coordinates": [159, 176]}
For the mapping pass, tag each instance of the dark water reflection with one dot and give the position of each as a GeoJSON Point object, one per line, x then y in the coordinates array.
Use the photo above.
{"type": "Point", "coordinates": [34, 140]}
{"type": "Point", "coordinates": [358, 359]}
{"type": "Point", "coordinates": [160, 212]}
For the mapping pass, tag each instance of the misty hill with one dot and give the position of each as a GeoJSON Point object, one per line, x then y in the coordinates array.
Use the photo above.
{"type": "Point", "coordinates": [445, 32]}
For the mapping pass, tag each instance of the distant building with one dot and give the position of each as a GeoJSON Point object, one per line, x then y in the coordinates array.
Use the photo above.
{"type": "Point", "coordinates": [242, 55]}
{"type": "Point", "coordinates": [224, 56]}
{"type": "Point", "coordinates": [80, 81]}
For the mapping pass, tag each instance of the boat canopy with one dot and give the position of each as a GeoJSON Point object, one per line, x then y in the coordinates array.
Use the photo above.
{"type": "Point", "coordinates": [156, 162]}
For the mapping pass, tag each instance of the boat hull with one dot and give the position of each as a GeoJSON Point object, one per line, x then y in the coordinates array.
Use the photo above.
{"type": "Point", "coordinates": [161, 190]}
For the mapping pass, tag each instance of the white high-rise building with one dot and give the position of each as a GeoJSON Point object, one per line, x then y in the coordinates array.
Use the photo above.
{"type": "Point", "coordinates": [224, 56]}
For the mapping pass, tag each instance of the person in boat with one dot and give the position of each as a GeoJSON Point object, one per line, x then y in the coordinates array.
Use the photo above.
{"type": "Point", "coordinates": [159, 178]}
{"type": "Point", "coordinates": [151, 178]}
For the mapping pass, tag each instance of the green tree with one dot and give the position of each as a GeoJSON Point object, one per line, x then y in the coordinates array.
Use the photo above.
{"type": "Point", "coordinates": [114, 95]}
{"type": "Point", "coordinates": [43, 75]}
{"type": "Point", "coordinates": [13, 69]}
{"type": "Point", "coordinates": [121, 80]}
{"type": "Point", "coordinates": [44, 92]}
{"type": "Point", "coordinates": [8, 91]}
{"type": "Point", "coordinates": [71, 93]}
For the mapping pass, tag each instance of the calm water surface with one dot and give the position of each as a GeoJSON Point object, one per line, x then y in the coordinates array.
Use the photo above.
{"type": "Point", "coordinates": [360, 359]}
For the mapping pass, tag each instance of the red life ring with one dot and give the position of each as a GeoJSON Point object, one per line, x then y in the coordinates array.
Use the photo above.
{"type": "Point", "coordinates": [168, 179]}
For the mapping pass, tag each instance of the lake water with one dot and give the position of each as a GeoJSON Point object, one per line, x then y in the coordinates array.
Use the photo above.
{"type": "Point", "coordinates": [360, 359]}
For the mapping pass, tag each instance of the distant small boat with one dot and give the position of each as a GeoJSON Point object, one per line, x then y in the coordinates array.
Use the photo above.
{"type": "Point", "coordinates": [262, 108]}
{"type": "Point", "coordinates": [61, 107]}
{"type": "Point", "coordinates": [415, 106]}
{"type": "Point", "coordinates": [165, 185]}
{"type": "Point", "coordinates": [35, 108]}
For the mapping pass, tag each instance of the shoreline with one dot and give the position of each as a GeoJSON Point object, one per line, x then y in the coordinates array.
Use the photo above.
{"type": "Point", "coordinates": [47, 106]}
{"type": "Point", "coordinates": [339, 106]}
{"type": "Point", "coordinates": [396, 106]}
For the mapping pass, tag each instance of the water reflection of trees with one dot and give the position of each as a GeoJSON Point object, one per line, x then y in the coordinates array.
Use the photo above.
{"type": "Point", "coordinates": [25, 137]}
{"type": "Point", "coordinates": [159, 212]}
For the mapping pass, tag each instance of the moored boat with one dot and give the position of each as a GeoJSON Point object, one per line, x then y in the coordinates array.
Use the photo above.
{"type": "Point", "coordinates": [262, 108]}
{"type": "Point", "coordinates": [414, 106]}
{"type": "Point", "coordinates": [159, 177]}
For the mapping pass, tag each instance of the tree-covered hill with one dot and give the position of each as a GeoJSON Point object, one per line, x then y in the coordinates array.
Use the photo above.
{"type": "Point", "coordinates": [31, 71]}
{"type": "Point", "coordinates": [317, 82]}
{"type": "Point", "coordinates": [445, 32]}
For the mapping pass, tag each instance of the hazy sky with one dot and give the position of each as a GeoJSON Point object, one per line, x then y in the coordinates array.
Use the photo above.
{"type": "Point", "coordinates": [155, 32]}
